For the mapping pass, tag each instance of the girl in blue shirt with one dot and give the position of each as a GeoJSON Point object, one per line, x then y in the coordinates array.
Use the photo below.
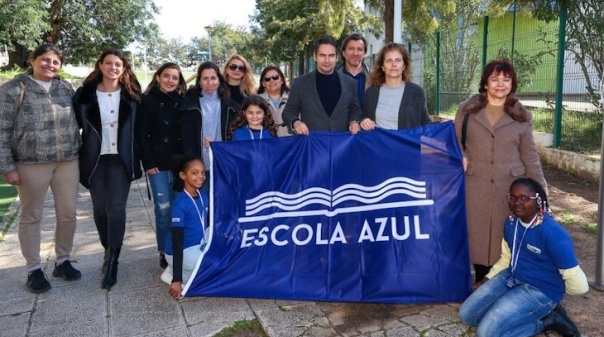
{"type": "Point", "coordinates": [253, 121]}
{"type": "Point", "coordinates": [520, 295]}
{"type": "Point", "coordinates": [186, 240]}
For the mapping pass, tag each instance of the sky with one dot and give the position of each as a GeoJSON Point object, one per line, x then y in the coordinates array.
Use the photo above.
{"type": "Point", "coordinates": [186, 18]}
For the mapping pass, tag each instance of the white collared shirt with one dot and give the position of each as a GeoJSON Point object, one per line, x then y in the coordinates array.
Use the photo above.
{"type": "Point", "coordinates": [109, 106]}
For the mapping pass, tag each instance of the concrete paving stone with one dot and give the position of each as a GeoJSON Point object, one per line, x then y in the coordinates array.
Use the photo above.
{"type": "Point", "coordinates": [11, 247]}
{"type": "Point", "coordinates": [14, 325]}
{"type": "Point", "coordinates": [435, 333]}
{"type": "Point", "coordinates": [260, 303]}
{"type": "Point", "coordinates": [97, 327]}
{"type": "Point", "coordinates": [143, 311]}
{"type": "Point", "coordinates": [178, 331]}
{"type": "Point", "coordinates": [422, 322]}
{"type": "Point", "coordinates": [17, 306]}
{"type": "Point", "coordinates": [12, 266]}
{"type": "Point", "coordinates": [13, 287]}
{"type": "Point", "coordinates": [445, 311]}
{"type": "Point", "coordinates": [64, 306]}
{"type": "Point", "coordinates": [138, 274]}
{"type": "Point", "coordinates": [455, 329]}
{"type": "Point", "coordinates": [212, 310]}
{"type": "Point", "coordinates": [406, 331]}
{"type": "Point", "coordinates": [294, 320]}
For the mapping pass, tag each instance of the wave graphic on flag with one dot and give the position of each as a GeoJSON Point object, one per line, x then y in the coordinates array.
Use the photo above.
{"type": "Point", "coordinates": [368, 196]}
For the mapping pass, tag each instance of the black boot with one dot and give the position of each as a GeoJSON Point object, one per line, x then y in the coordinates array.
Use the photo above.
{"type": "Point", "coordinates": [105, 261]}
{"type": "Point", "coordinates": [557, 320]}
{"type": "Point", "coordinates": [110, 278]}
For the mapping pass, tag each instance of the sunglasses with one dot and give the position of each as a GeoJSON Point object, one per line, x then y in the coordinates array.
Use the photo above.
{"type": "Point", "coordinates": [269, 78]}
{"type": "Point", "coordinates": [234, 67]}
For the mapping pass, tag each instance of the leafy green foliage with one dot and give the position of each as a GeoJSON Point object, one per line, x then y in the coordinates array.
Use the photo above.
{"type": "Point", "coordinates": [82, 29]}
{"type": "Point", "coordinates": [289, 27]}
{"type": "Point", "coordinates": [22, 21]}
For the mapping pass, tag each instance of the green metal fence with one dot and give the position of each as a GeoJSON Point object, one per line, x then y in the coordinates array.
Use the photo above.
{"type": "Point", "coordinates": [451, 69]}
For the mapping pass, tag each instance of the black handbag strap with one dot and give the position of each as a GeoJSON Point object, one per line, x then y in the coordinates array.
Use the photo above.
{"type": "Point", "coordinates": [464, 130]}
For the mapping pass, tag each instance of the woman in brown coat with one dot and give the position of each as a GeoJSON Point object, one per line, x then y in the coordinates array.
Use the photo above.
{"type": "Point", "coordinates": [498, 148]}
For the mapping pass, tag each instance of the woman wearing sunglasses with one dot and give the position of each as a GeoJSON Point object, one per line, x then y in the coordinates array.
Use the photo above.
{"type": "Point", "coordinates": [239, 78]}
{"type": "Point", "coordinates": [275, 92]}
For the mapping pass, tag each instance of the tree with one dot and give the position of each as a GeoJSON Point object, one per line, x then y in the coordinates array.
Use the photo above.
{"type": "Point", "coordinates": [172, 50]}
{"type": "Point", "coordinates": [290, 26]}
{"type": "Point", "coordinates": [226, 41]}
{"type": "Point", "coordinates": [82, 29]}
{"type": "Point", "coordinates": [20, 24]}
{"type": "Point", "coordinates": [584, 31]}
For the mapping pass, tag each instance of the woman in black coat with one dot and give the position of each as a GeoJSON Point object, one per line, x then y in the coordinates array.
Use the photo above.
{"type": "Point", "coordinates": [106, 109]}
{"type": "Point", "coordinates": [207, 112]}
{"type": "Point", "coordinates": [160, 132]}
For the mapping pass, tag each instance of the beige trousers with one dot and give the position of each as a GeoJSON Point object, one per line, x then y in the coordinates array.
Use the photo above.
{"type": "Point", "coordinates": [63, 179]}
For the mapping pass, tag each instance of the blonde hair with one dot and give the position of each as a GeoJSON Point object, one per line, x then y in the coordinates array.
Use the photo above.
{"type": "Point", "coordinates": [247, 85]}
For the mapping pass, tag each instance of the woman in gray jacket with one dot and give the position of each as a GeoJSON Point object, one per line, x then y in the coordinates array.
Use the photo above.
{"type": "Point", "coordinates": [39, 144]}
{"type": "Point", "coordinates": [392, 101]}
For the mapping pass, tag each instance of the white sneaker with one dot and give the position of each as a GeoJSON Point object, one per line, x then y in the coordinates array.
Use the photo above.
{"type": "Point", "coordinates": [166, 276]}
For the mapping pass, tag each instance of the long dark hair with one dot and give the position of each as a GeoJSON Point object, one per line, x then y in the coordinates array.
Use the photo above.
{"type": "Point", "coordinates": [499, 66]}
{"type": "Point", "coordinates": [267, 122]}
{"type": "Point", "coordinates": [41, 50]}
{"type": "Point", "coordinates": [223, 90]}
{"type": "Point", "coordinates": [128, 79]}
{"type": "Point", "coordinates": [284, 87]}
{"type": "Point", "coordinates": [181, 89]}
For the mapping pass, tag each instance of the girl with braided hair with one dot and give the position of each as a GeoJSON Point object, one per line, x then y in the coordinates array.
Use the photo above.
{"type": "Point", "coordinates": [520, 295]}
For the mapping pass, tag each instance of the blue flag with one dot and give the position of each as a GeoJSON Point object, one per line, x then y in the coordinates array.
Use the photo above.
{"type": "Point", "coordinates": [374, 217]}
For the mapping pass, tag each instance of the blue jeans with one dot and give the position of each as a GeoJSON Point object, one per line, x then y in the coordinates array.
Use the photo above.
{"type": "Point", "coordinates": [109, 188]}
{"type": "Point", "coordinates": [498, 311]}
{"type": "Point", "coordinates": [163, 194]}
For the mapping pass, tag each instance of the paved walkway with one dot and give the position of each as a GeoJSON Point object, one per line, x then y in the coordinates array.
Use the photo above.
{"type": "Point", "coordinates": [139, 305]}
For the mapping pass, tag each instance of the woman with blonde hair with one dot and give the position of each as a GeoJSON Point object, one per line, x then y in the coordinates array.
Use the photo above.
{"type": "Point", "coordinates": [239, 78]}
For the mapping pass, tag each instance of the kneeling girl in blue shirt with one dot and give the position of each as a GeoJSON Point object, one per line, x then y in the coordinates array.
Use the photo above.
{"type": "Point", "coordinates": [520, 295]}
{"type": "Point", "coordinates": [186, 239]}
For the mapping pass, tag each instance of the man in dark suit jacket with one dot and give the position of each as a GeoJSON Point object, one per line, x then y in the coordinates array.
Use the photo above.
{"type": "Point", "coordinates": [323, 100]}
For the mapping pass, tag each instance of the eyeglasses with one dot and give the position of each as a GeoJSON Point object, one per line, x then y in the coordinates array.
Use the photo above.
{"type": "Point", "coordinates": [269, 78]}
{"type": "Point", "coordinates": [522, 198]}
{"type": "Point", "coordinates": [234, 67]}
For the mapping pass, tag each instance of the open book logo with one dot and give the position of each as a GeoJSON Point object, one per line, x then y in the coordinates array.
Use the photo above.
{"type": "Point", "coordinates": [274, 204]}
